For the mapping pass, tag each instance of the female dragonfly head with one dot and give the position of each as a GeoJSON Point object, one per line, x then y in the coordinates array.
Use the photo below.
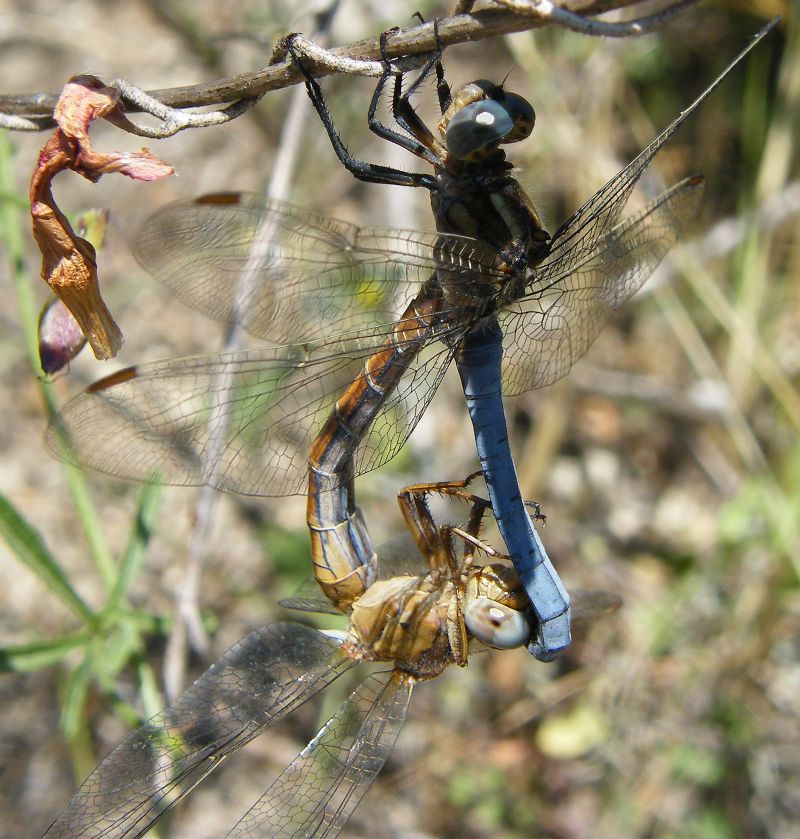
{"type": "Point", "coordinates": [481, 117]}
{"type": "Point", "coordinates": [496, 611]}
{"type": "Point", "coordinates": [496, 624]}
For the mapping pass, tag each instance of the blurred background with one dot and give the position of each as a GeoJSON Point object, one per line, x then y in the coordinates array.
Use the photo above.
{"type": "Point", "coordinates": [667, 462]}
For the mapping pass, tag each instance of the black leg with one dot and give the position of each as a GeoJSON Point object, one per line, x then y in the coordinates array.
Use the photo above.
{"type": "Point", "coordinates": [402, 109]}
{"type": "Point", "coordinates": [420, 142]}
{"type": "Point", "coordinates": [442, 88]}
{"type": "Point", "coordinates": [371, 172]}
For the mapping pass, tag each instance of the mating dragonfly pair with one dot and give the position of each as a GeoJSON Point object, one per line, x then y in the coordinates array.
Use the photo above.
{"type": "Point", "coordinates": [490, 288]}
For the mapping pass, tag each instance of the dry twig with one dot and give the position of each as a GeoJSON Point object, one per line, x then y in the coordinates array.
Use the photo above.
{"type": "Point", "coordinates": [33, 112]}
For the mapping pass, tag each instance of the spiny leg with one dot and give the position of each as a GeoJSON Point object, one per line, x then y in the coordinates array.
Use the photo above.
{"type": "Point", "coordinates": [454, 488]}
{"type": "Point", "coordinates": [419, 521]}
{"type": "Point", "coordinates": [471, 534]}
{"type": "Point", "coordinates": [471, 543]}
{"type": "Point", "coordinates": [364, 171]}
{"type": "Point", "coordinates": [429, 147]}
{"type": "Point", "coordinates": [413, 496]}
{"type": "Point", "coordinates": [538, 515]}
{"type": "Point", "coordinates": [437, 546]}
{"type": "Point", "coordinates": [421, 143]}
{"type": "Point", "coordinates": [443, 91]}
{"type": "Point", "coordinates": [435, 543]}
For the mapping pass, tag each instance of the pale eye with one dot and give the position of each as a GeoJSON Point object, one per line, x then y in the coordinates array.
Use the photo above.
{"type": "Point", "coordinates": [496, 625]}
{"type": "Point", "coordinates": [476, 126]}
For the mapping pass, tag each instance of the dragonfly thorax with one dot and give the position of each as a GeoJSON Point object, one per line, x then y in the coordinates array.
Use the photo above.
{"type": "Point", "coordinates": [401, 620]}
{"type": "Point", "coordinates": [492, 207]}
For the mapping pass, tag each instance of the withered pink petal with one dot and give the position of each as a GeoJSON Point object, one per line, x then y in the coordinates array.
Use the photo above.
{"type": "Point", "coordinates": [83, 99]}
{"type": "Point", "coordinates": [142, 166]}
{"type": "Point", "coordinates": [69, 268]}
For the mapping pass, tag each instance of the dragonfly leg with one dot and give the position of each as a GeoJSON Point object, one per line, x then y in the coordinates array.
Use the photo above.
{"type": "Point", "coordinates": [443, 91]}
{"type": "Point", "coordinates": [442, 88]}
{"type": "Point", "coordinates": [470, 535]}
{"type": "Point", "coordinates": [421, 143]}
{"type": "Point", "coordinates": [453, 488]}
{"type": "Point", "coordinates": [472, 541]}
{"type": "Point", "coordinates": [364, 171]}
{"type": "Point", "coordinates": [419, 521]}
{"type": "Point", "coordinates": [538, 515]}
{"type": "Point", "coordinates": [437, 543]}
{"type": "Point", "coordinates": [457, 612]}
{"type": "Point", "coordinates": [428, 147]}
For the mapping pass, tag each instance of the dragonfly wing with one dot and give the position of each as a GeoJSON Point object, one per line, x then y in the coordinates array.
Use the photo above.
{"type": "Point", "coordinates": [567, 302]}
{"type": "Point", "coordinates": [318, 791]}
{"type": "Point", "coordinates": [257, 682]}
{"type": "Point", "coordinates": [286, 273]}
{"type": "Point", "coordinates": [241, 422]}
{"type": "Point", "coordinates": [403, 409]}
{"type": "Point", "coordinates": [319, 605]}
{"type": "Point", "coordinates": [309, 598]}
{"type": "Point", "coordinates": [400, 556]}
{"type": "Point", "coordinates": [581, 233]}
{"type": "Point", "coordinates": [588, 604]}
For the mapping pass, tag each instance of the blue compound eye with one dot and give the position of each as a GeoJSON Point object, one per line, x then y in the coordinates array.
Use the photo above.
{"type": "Point", "coordinates": [522, 115]}
{"type": "Point", "coordinates": [496, 625]}
{"type": "Point", "coordinates": [476, 126]}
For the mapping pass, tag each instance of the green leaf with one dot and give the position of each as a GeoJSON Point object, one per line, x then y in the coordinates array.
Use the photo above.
{"type": "Point", "coordinates": [29, 547]}
{"type": "Point", "coordinates": [39, 654]}
{"type": "Point", "coordinates": [139, 538]}
{"type": "Point", "coordinates": [74, 705]}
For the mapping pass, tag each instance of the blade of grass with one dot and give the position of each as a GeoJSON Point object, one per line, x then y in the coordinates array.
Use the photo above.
{"type": "Point", "coordinates": [39, 654]}
{"type": "Point", "coordinates": [73, 706]}
{"type": "Point", "coordinates": [29, 547]}
{"type": "Point", "coordinates": [73, 712]}
{"type": "Point", "coordinates": [133, 555]}
{"type": "Point", "coordinates": [152, 698]}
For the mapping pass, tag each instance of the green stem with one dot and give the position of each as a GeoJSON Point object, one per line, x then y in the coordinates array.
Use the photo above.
{"type": "Point", "coordinates": [12, 233]}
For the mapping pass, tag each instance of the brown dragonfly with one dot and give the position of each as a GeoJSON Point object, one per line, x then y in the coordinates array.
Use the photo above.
{"type": "Point", "coordinates": [428, 605]}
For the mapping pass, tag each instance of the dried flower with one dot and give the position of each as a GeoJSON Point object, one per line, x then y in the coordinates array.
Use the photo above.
{"type": "Point", "coordinates": [68, 261]}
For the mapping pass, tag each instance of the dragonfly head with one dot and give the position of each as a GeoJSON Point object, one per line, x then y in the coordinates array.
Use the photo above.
{"type": "Point", "coordinates": [481, 117]}
{"type": "Point", "coordinates": [496, 624]}
{"type": "Point", "coordinates": [496, 611]}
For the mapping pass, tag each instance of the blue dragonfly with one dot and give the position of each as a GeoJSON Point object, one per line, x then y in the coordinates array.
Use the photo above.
{"type": "Point", "coordinates": [351, 364]}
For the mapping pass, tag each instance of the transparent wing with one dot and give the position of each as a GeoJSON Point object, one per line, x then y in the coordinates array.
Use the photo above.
{"type": "Point", "coordinates": [309, 598]}
{"type": "Point", "coordinates": [294, 276]}
{"type": "Point", "coordinates": [244, 422]}
{"type": "Point", "coordinates": [580, 234]}
{"type": "Point", "coordinates": [290, 275]}
{"type": "Point", "coordinates": [595, 264]}
{"type": "Point", "coordinates": [400, 556]}
{"type": "Point", "coordinates": [316, 794]}
{"type": "Point", "coordinates": [241, 422]}
{"type": "Point", "coordinates": [257, 682]}
{"type": "Point", "coordinates": [568, 300]}
{"type": "Point", "coordinates": [588, 604]}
